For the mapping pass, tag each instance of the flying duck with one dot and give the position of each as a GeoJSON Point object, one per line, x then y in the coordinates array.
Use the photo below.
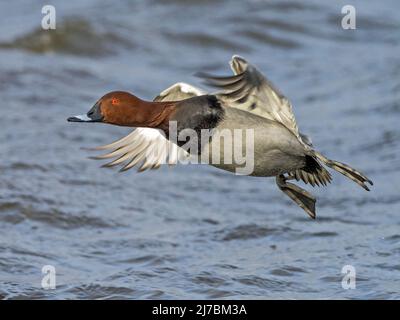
{"type": "Point", "coordinates": [245, 100]}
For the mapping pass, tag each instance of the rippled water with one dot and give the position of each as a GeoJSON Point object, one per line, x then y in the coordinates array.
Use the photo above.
{"type": "Point", "coordinates": [194, 231]}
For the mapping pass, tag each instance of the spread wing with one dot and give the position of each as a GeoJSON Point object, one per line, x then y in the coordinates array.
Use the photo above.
{"type": "Point", "coordinates": [249, 90]}
{"type": "Point", "coordinates": [179, 91]}
{"type": "Point", "coordinates": [148, 148]}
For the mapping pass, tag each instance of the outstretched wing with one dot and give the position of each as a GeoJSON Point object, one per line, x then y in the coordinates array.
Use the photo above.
{"type": "Point", "coordinates": [179, 91]}
{"type": "Point", "coordinates": [146, 147]}
{"type": "Point", "coordinates": [249, 90]}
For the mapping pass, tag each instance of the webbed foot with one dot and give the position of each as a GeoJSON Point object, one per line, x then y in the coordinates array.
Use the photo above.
{"type": "Point", "coordinates": [302, 197]}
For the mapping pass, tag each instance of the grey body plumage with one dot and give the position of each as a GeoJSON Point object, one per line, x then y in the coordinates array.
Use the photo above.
{"type": "Point", "coordinates": [246, 100]}
{"type": "Point", "coordinates": [276, 150]}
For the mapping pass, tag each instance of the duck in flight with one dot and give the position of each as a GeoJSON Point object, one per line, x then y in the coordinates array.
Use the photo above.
{"type": "Point", "coordinates": [245, 100]}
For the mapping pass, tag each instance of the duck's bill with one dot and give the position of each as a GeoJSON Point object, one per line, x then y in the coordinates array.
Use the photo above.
{"type": "Point", "coordinates": [80, 118]}
{"type": "Point", "coordinates": [93, 115]}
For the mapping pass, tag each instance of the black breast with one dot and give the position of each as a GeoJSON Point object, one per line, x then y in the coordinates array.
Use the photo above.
{"type": "Point", "coordinates": [202, 112]}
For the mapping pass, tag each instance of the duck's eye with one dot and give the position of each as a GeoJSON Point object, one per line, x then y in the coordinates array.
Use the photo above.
{"type": "Point", "coordinates": [114, 101]}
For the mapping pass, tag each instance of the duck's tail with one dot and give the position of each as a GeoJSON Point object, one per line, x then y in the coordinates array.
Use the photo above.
{"type": "Point", "coordinates": [313, 173]}
{"type": "Point", "coordinates": [346, 170]}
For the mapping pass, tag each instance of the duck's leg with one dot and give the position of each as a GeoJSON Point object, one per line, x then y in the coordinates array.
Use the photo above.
{"type": "Point", "coordinates": [303, 198]}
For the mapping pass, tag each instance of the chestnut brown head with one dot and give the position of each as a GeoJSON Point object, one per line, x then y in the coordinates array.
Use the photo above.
{"type": "Point", "coordinates": [116, 107]}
